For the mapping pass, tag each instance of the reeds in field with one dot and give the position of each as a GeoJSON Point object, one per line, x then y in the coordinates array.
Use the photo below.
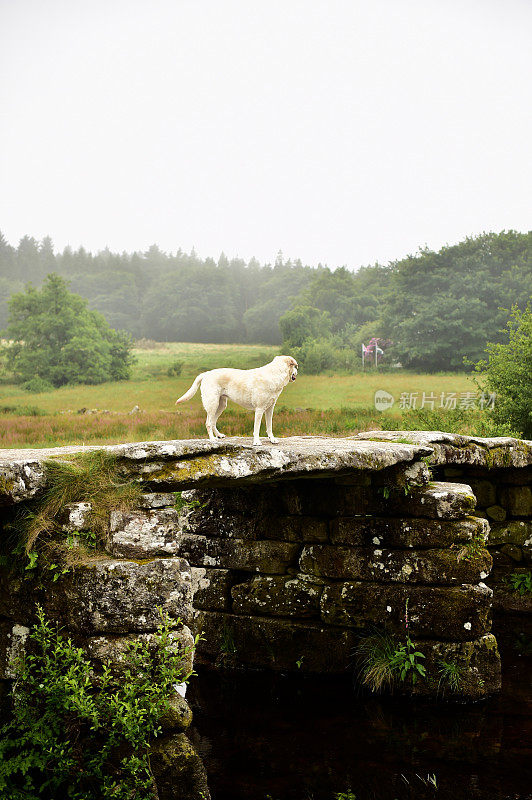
{"type": "Point", "coordinates": [50, 430]}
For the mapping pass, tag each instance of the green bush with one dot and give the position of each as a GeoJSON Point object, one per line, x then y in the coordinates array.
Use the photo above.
{"type": "Point", "coordinates": [58, 339]}
{"type": "Point", "coordinates": [318, 355]}
{"type": "Point", "coordinates": [302, 323]}
{"type": "Point", "coordinates": [508, 371]}
{"type": "Point", "coordinates": [80, 735]}
{"type": "Point", "coordinates": [175, 369]}
{"type": "Point", "coordinates": [37, 385]}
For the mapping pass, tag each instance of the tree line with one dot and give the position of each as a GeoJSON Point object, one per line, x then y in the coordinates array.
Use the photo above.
{"type": "Point", "coordinates": [435, 308]}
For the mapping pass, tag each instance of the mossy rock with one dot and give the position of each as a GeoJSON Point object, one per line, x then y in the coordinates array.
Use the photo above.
{"type": "Point", "coordinates": [511, 532]}
{"type": "Point", "coordinates": [111, 596]}
{"type": "Point", "coordinates": [178, 716]}
{"type": "Point", "coordinates": [478, 663]}
{"type": "Point", "coordinates": [406, 532]}
{"type": "Point", "coordinates": [443, 612]}
{"type": "Point", "coordinates": [178, 770]}
{"type": "Point", "coordinates": [278, 596]}
{"type": "Point", "coordinates": [438, 566]}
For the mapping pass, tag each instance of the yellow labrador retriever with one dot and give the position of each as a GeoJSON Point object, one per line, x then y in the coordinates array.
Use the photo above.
{"type": "Point", "coordinates": [256, 389]}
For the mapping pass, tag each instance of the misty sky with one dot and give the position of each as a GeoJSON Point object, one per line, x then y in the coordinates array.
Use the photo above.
{"type": "Point", "coordinates": [341, 132]}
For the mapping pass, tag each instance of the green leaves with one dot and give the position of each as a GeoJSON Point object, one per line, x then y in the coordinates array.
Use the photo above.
{"type": "Point", "coordinates": [406, 662]}
{"type": "Point", "coordinates": [72, 725]}
{"type": "Point", "coordinates": [446, 305]}
{"type": "Point", "coordinates": [520, 582]}
{"type": "Point", "coordinates": [507, 373]}
{"type": "Point", "coordinates": [57, 339]}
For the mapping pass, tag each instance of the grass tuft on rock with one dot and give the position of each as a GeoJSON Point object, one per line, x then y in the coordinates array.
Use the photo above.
{"type": "Point", "coordinates": [376, 657]}
{"type": "Point", "coordinates": [93, 477]}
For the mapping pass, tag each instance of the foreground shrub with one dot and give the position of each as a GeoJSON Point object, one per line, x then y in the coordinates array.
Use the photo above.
{"type": "Point", "coordinates": [508, 372]}
{"type": "Point", "coordinates": [80, 735]}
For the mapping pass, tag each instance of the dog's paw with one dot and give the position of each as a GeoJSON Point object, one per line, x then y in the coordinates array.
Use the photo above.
{"type": "Point", "coordinates": [256, 442]}
{"type": "Point", "coordinates": [273, 440]}
{"type": "Point", "coordinates": [220, 435]}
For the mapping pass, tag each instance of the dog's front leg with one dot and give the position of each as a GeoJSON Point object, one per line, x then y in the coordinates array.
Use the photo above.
{"type": "Point", "coordinates": [256, 428]}
{"type": "Point", "coordinates": [269, 417]}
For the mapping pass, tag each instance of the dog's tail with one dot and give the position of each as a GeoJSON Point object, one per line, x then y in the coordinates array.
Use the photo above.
{"type": "Point", "coordinates": [193, 389]}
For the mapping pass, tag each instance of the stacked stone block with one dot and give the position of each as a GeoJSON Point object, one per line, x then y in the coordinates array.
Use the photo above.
{"type": "Point", "coordinates": [499, 471]}
{"type": "Point", "coordinates": [504, 498]}
{"type": "Point", "coordinates": [288, 576]}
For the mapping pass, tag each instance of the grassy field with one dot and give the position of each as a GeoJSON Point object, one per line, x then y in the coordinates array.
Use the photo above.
{"type": "Point", "coordinates": [313, 404]}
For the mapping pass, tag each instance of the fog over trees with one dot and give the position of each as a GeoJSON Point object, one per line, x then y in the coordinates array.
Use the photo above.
{"type": "Point", "coordinates": [435, 307]}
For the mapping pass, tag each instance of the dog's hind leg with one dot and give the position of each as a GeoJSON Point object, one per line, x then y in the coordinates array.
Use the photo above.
{"type": "Point", "coordinates": [269, 416]}
{"type": "Point", "coordinates": [256, 428]}
{"type": "Point", "coordinates": [211, 402]}
{"type": "Point", "coordinates": [222, 405]}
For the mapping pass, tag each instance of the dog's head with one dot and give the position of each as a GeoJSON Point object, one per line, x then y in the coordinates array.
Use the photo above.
{"type": "Point", "coordinates": [291, 365]}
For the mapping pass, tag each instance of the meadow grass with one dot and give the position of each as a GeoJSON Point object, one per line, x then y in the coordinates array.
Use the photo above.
{"type": "Point", "coordinates": [320, 404]}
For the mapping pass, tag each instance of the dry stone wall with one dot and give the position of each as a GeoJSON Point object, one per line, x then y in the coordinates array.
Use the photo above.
{"type": "Point", "coordinates": [499, 472]}
{"type": "Point", "coordinates": [283, 556]}
{"type": "Point", "coordinates": [289, 577]}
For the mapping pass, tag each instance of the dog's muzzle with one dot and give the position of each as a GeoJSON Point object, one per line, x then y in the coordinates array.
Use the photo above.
{"type": "Point", "coordinates": [293, 377]}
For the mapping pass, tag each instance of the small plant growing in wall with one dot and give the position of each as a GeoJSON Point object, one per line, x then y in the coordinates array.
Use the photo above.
{"type": "Point", "coordinates": [450, 676]}
{"type": "Point", "coordinates": [78, 733]}
{"type": "Point", "coordinates": [94, 478]}
{"type": "Point", "coordinates": [520, 582]}
{"type": "Point", "coordinates": [227, 641]}
{"type": "Point", "coordinates": [383, 662]}
{"type": "Point", "coordinates": [181, 504]}
{"type": "Point", "coordinates": [473, 549]}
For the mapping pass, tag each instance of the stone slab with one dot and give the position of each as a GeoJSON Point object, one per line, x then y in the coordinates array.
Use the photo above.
{"type": "Point", "coordinates": [110, 596]}
{"type": "Point", "coordinates": [511, 532]}
{"type": "Point", "coordinates": [479, 665]}
{"type": "Point", "coordinates": [182, 464]}
{"type": "Point", "coordinates": [453, 613]}
{"type": "Point", "coordinates": [157, 499]}
{"type": "Point", "coordinates": [438, 566]}
{"type": "Point", "coordinates": [414, 532]}
{"type": "Point", "coordinates": [240, 554]}
{"type": "Point", "coordinates": [211, 588]}
{"type": "Point", "coordinates": [143, 534]}
{"type": "Point", "coordinates": [214, 522]}
{"type": "Point", "coordinates": [502, 452]}
{"type": "Point", "coordinates": [439, 500]}
{"type": "Point", "coordinates": [277, 596]}
{"type": "Point", "coordinates": [517, 500]}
